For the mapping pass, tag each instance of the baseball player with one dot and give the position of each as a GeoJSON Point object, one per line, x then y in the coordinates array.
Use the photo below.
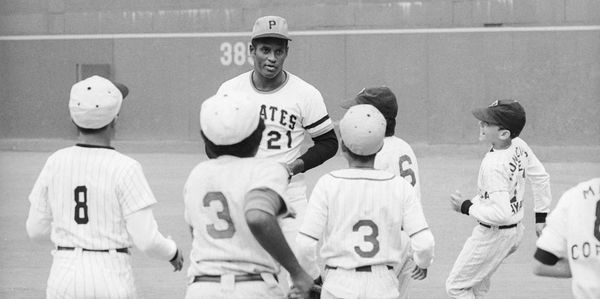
{"type": "Point", "coordinates": [94, 202]}
{"type": "Point", "coordinates": [396, 156]}
{"type": "Point", "coordinates": [498, 205]}
{"type": "Point", "coordinates": [232, 202]}
{"type": "Point", "coordinates": [291, 109]}
{"type": "Point", "coordinates": [570, 244]}
{"type": "Point", "coordinates": [358, 213]}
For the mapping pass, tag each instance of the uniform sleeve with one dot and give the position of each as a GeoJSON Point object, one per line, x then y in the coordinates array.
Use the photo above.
{"type": "Point", "coordinates": [494, 205]}
{"type": "Point", "coordinates": [315, 118]}
{"type": "Point", "coordinates": [540, 183]}
{"type": "Point", "coordinates": [143, 229]}
{"type": "Point", "coordinates": [273, 176]}
{"type": "Point", "coordinates": [135, 193]}
{"type": "Point", "coordinates": [413, 220]}
{"type": "Point", "coordinates": [39, 220]}
{"type": "Point", "coordinates": [554, 235]}
{"type": "Point", "coordinates": [315, 217]}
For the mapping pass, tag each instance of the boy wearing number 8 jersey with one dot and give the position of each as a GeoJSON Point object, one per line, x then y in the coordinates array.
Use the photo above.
{"type": "Point", "coordinates": [93, 201]}
{"type": "Point", "coordinates": [359, 213]}
{"type": "Point", "coordinates": [396, 156]}
{"type": "Point", "coordinates": [232, 204]}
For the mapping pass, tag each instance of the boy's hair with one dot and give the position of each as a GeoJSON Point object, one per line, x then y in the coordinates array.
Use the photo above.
{"type": "Point", "coordinates": [86, 131]}
{"type": "Point", "coordinates": [363, 159]}
{"type": "Point", "coordinates": [243, 149]}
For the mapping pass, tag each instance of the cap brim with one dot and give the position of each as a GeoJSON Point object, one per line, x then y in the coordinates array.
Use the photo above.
{"type": "Point", "coordinates": [274, 35]}
{"type": "Point", "coordinates": [122, 88]}
{"type": "Point", "coordinates": [483, 115]}
{"type": "Point", "coordinates": [349, 103]}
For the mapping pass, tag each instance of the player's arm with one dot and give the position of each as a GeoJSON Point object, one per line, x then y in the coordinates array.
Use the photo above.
{"type": "Point", "coordinates": [311, 229]}
{"type": "Point", "coordinates": [548, 264]}
{"type": "Point", "coordinates": [414, 223]}
{"type": "Point", "coordinates": [540, 187]}
{"type": "Point", "coordinates": [550, 255]}
{"type": "Point", "coordinates": [143, 229]}
{"type": "Point", "coordinates": [325, 146]}
{"type": "Point", "coordinates": [261, 207]}
{"type": "Point", "coordinates": [39, 220]}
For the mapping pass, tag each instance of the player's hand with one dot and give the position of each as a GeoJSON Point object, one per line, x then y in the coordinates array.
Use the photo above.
{"type": "Point", "coordinates": [177, 261]}
{"type": "Point", "coordinates": [288, 169]}
{"type": "Point", "coordinates": [301, 285]}
{"type": "Point", "coordinates": [456, 200]}
{"type": "Point", "coordinates": [419, 273]}
{"type": "Point", "coordinates": [538, 228]}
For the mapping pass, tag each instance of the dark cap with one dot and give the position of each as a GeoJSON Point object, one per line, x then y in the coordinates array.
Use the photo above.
{"type": "Point", "coordinates": [508, 114]}
{"type": "Point", "coordinates": [381, 97]}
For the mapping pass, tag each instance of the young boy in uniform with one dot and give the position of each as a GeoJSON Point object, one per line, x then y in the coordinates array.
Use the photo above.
{"type": "Point", "coordinates": [396, 156]}
{"type": "Point", "coordinates": [498, 205]}
{"type": "Point", "coordinates": [232, 204]}
{"type": "Point", "coordinates": [570, 244]}
{"type": "Point", "coordinates": [95, 203]}
{"type": "Point", "coordinates": [359, 213]}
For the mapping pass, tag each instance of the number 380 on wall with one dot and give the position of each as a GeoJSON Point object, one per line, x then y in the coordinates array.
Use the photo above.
{"type": "Point", "coordinates": [237, 53]}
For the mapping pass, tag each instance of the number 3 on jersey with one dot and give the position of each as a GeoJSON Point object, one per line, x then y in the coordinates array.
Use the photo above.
{"type": "Point", "coordinates": [372, 238]}
{"type": "Point", "coordinates": [223, 215]}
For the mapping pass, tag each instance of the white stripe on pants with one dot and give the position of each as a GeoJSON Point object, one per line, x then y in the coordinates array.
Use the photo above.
{"type": "Point", "coordinates": [480, 257]}
{"type": "Point", "coordinates": [86, 274]}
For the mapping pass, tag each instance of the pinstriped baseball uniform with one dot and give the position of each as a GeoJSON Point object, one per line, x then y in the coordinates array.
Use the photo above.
{"type": "Point", "coordinates": [87, 191]}
{"type": "Point", "coordinates": [223, 244]}
{"type": "Point", "coordinates": [397, 156]}
{"type": "Point", "coordinates": [359, 213]}
{"type": "Point", "coordinates": [501, 172]}
{"type": "Point", "coordinates": [573, 232]}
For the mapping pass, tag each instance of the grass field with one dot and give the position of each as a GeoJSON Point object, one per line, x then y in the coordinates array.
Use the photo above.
{"type": "Point", "coordinates": [25, 265]}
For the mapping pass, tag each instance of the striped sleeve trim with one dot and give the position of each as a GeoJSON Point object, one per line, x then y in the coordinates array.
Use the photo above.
{"type": "Point", "coordinates": [304, 234]}
{"type": "Point", "coordinates": [422, 230]}
{"type": "Point", "coordinates": [318, 122]}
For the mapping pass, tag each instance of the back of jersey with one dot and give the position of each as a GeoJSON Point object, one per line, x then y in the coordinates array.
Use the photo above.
{"type": "Point", "coordinates": [89, 190]}
{"type": "Point", "coordinates": [396, 156]}
{"type": "Point", "coordinates": [214, 197]}
{"type": "Point", "coordinates": [583, 236]}
{"type": "Point", "coordinates": [360, 213]}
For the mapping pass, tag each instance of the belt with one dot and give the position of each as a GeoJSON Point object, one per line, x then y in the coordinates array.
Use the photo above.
{"type": "Point", "coordinates": [238, 278]}
{"type": "Point", "coordinates": [499, 227]}
{"type": "Point", "coordinates": [121, 250]}
{"type": "Point", "coordinates": [359, 269]}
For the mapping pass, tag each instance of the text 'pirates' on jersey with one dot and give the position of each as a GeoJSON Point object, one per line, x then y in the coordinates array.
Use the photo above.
{"type": "Point", "coordinates": [289, 111]}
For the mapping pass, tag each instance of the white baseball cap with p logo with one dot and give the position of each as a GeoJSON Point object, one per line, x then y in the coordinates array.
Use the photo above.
{"type": "Point", "coordinates": [271, 26]}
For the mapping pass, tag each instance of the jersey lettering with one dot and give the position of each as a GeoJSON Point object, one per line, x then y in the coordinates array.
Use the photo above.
{"type": "Point", "coordinates": [408, 172]}
{"type": "Point", "coordinates": [81, 208]}
{"type": "Point", "coordinates": [279, 116]}
{"type": "Point", "coordinates": [372, 238]}
{"type": "Point", "coordinates": [223, 215]}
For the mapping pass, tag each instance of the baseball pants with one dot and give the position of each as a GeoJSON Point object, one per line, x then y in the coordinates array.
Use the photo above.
{"type": "Point", "coordinates": [480, 257]}
{"type": "Point", "coordinates": [84, 274]}
{"type": "Point", "coordinates": [405, 269]}
{"type": "Point", "coordinates": [380, 283]}
{"type": "Point", "coordinates": [228, 288]}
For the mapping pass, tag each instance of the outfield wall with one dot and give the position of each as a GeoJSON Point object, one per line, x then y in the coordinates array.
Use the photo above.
{"type": "Point", "coordinates": [439, 74]}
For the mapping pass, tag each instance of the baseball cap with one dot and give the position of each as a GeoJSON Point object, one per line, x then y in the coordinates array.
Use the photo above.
{"type": "Point", "coordinates": [94, 102]}
{"type": "Point", "coordinates": [381, 97]}
{"type": "Point", "coordinates": [363, 129]}
{"type": "Point", "coordinates": [228, 118]}
{"type": "Point", "coordinates": [508, 114]}
{"type": "Point", "coordinates": [270, 26]}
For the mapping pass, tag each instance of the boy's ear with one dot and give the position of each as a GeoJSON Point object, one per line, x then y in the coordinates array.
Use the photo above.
{"type": "Point", "coordinates": [504, 134]}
